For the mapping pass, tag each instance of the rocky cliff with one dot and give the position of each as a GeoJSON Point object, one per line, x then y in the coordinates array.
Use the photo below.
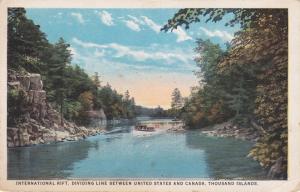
{"type": "Point", "coordinates": [35, 121]}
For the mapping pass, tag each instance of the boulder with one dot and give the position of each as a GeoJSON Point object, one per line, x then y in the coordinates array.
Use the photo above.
{"type": "Point", "coordinates": [11, 75]}
{"type": "Point", "coordinates": [41, 141]}
{"type": "Point", "coordinates": [24, 138]}
{"type": "Point", "coordinates": [14, 85]}
{"type": "Point", "coordinates": [37, 97]}
{"type": "Point", "coordinates": [35, 82]}
{"type": "Point", "coordinates": [275, 171]}
{"type": "Point", "coordinates": [40, 122]}
{"type": "Point", "coordinates": [24, 81]}
{"type": "Point", "coordinates": [97, 118]}
{"type": "Point", "coordinates": [12, 136]}
{"type": "Point", "coordinates": [49, 137]}
{"type": "Point", "coordinates": [62, 135]}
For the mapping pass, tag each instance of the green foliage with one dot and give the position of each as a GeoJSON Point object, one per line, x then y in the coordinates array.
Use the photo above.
{"type": "Point", "coordinates": [72, 110]}
{"type": "Point", "coordinates": [209, 103]}
{"type": "Point", "coordinates": [69, 88]}
{"type": "Point", "coordinates": [252, 74]}
{"type": "Point", "coordinates": [96, 80]}
{"type": "Point", "coordinates": [115, 105]}
{"type": "Point", "coordinates": [26, 42]}
{"type": "Point", "coordinates": [86, 99]}
{"type": "Point", "coordinates": [246, 18]}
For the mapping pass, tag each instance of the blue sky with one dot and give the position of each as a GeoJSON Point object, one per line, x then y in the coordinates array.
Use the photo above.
{"type": "Point", "coordinates": [127, 49]}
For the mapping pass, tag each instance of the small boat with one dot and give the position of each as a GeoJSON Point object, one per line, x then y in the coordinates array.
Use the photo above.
{"type": "Point", "coordinates": [154, 127]}
{"type": "Point", "coordinates": [144, 128]}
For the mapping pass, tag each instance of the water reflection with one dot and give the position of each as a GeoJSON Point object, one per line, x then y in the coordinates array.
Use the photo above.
{"type": "Point", "coordinates": [226, 157]}
{"type": "Point", "coordinates": [121, 154]}
{"type": "Point", "coordinates": [50, 161]}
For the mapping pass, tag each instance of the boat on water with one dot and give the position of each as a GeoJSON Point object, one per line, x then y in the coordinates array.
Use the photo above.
{"type": "Point", "coordinates": [152, 127]}
{"type": "Point", "coordinates": [144, 128]}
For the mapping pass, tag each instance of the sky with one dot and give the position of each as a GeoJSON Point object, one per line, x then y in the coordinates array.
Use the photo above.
{"type": "Point", "coordinates": [128, 50]}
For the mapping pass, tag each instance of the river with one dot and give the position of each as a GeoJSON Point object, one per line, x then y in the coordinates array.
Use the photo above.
{"type": "Point", "coordinates": [123, 155]}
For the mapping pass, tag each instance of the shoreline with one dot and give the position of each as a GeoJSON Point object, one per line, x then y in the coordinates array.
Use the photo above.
{"type": "Point", "coordinates": [222, 130]}
{"type": "Point", "coordinates": [228, 129]}
{"type": "Point", "coordinates": [64, 136]}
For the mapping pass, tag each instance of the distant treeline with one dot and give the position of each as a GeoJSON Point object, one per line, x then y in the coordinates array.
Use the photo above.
{"type": "Point", "coordinates": [69, 88]}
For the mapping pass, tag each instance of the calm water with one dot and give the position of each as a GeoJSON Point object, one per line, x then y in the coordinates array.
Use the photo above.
{"type": "Point", "coordinates": [169, 155]}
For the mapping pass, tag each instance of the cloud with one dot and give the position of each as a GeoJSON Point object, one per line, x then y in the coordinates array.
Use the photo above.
{"type": "Point", "coordinates": [154, 26]}
{"type": "Point", "coordinates": [181, 35]}
{"type": "Point", "coordinates": [122, 51]}
{"type": "Point", "coordinates": [136, 20]}
{"type": "Point", "coordinates": [224, 35]}
{"type": "Point", "coordinates": [122, 76]}
{"type": "Point", "coordinates": [139, 54]}
{"type": "Point", "coordinates": [132, 25]}
{"type": "Point", "coordinates": [87, 44]}
{"type": "Point", "coordinates": [78, 16]}
{"type": "Point", "coordinates": [106, 18]}
{"type": "Point", "coordinates": [99, 53]}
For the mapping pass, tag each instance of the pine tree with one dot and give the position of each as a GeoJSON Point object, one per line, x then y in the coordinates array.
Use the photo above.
{"type": "Point", "coordinates": [176, 101]}
{"type": "Point", "coordinates": [25, 42]}
{"type": "Point", "coordinates": [60, 59]}
{"type": "Point", "coordinates": [96, 80]}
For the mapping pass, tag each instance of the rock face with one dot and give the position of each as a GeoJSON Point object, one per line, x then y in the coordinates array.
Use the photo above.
{"type": "Point", "coordinates": [97, 118]}
{"type": "Point", "coordinates": [276, 170]}
{"type": "Point", "coordinates": [39, 122]}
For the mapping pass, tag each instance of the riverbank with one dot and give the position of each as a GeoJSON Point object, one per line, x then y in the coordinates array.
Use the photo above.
{"type": "Point", "coordinates": [229, 129]}
{"type": "Point", "coordinates": [33, 120]}
{"type": "Point", "coordinates": [251, 133]}
{"type": "Point", "coordinates": [123, 155]}
{"type": "Point", "coordinates": [27, 135]}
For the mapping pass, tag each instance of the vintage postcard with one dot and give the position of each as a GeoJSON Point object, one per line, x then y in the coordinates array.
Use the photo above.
{"type": "Point", "coordinates": [150, 95]}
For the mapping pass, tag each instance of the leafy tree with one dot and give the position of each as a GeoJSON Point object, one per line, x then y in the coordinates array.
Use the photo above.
{"type": "Point", "coordinates": [208, 103]}
{"type": "Point", "coordinates": [86, 100]}
{"type": "Point", "coordinates": [260, 50]}
{"type": "Point", "coordinates": [72, 110]}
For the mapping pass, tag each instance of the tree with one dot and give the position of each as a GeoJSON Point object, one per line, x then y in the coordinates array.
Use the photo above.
{"type": "Point", "coordinates": [59, 61]}
{"type": "Point", "coordinates": [126, 96]}
{"type": "Point", "coordinates": [261, 45]}
{"type": "Point", "coordinates": [68, 87]}
{"type": "Point", "coordinates": [176, 101]}
{"type": "Point", "coordinates": [25, 42]}
{"type": "Point", "coordinates": [96, 80]}
{"type": "Point", "coordinates": [129, 105]}
{"type": "Point", "coordinates": [86, 99]}
{"type": "Point", "coordinates": [207, 103]}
